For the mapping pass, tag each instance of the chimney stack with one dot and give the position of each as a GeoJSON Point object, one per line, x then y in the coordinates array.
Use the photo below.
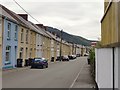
{"type": "Point", "coordinates": [41, 26]}
{"type": "Point", "coordinates": [24, 16]}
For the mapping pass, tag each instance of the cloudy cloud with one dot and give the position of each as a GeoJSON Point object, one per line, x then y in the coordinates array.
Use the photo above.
{"type": "Point", "coordinates": [78, 18]}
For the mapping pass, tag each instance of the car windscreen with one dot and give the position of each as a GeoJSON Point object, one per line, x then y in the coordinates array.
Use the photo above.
{"type": "Point", "coordinates": [37, 60]}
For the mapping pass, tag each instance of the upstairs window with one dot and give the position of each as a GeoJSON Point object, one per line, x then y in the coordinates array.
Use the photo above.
{"type": "Point", "coordinates": [22, 35]}
{"type": "Point", "coordinates": [8, 30]}
{"type": "Point", "coordinates": [31, 38]}
{"type": "Point", "coordinates": [26, 36]}
{"type": "Point", "coordinates": [30, 52]}
{"type": "Point", "coordinates": [16, 29]}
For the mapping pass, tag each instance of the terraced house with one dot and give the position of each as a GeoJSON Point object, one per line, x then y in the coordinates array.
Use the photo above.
{"type": "Point", "coordinates": [53, 46]}
{"type": "Point", "coordinates": [24, 40]}
{"type": "Point", "coordinates": [65, 48]}
{"type": "Point", "coordinates": [10, 39]}
{"type": "Point", "coordinates": [108, 54]}
{"type": "Point", "coordinates": [46, 42]}
{"type": "Point", "coordinates": [26, 35]}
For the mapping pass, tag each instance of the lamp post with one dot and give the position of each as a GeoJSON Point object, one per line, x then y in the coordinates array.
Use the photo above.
{"type": "Point", "coordinates": [61, 45]}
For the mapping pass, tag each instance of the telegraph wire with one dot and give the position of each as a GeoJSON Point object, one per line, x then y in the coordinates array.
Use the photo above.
{"type": "Point", "coordinates": [26, 11]}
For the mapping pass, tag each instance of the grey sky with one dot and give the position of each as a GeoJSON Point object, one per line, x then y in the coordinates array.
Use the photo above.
{"type": "Point", "coordinates": [78, 17]}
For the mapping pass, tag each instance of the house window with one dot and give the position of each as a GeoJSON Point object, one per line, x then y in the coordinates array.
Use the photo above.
{"type": "Point", "coordinates": [21, 53]}
{"type": "Point", "coordinates": [30, 52]}
{"type": "Point", "coordinates": [9, 30]}
{"type": "Point", "coordinates": [22, 35]}
{"type": "Point", "coordinates": [26, 52]}
{"type": "Point", "coordinates": [16, 28]}
{"type": "Point", "coordinates": [31, 38]}
{"type": "Point", "coordinates": [7, 60]}
{"type": "Point", "coordinates": [26, 36]}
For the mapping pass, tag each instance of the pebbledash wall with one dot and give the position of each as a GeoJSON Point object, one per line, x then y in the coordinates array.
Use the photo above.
{"type": "Point", "coordinates": [10, 44]}
{"type": "Point", "coordinates": [107, 72]}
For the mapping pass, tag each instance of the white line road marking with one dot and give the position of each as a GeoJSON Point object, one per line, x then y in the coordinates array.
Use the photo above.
{"type": "Point", "coordinates": [76, 78]}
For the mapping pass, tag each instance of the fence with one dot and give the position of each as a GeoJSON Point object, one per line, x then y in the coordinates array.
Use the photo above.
{"type": "Point", "coordinates": [107, 69]}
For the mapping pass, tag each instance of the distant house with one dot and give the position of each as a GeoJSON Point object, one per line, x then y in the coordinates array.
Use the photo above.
{"type": "Point", "coordinates": [108, 55]}
{"type": "Point", "coordinates": [46, 42]}
{"type": "Point", "coordinates": [53, 46]}
{"type": "Point", "coordinates": [10, 39]}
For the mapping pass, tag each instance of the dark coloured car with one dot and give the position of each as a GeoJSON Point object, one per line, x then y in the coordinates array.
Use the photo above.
{"type": "Point", "coordinates": [39, 63]}
{"type": "Point", "coordinates": [59, 58]}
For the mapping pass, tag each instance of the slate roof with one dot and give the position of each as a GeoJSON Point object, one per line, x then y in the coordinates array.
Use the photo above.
{"type": "Point", "coordinates": [6, 14]}
{"type": "Point", "coordinates": [21, 21]}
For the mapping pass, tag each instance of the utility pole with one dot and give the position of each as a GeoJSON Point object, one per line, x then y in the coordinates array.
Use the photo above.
{"type": "Point", "coordinates": [61, 45]}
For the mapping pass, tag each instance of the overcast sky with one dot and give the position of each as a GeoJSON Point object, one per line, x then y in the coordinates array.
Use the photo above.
{"type": "Point", "coordinates": [78, 17]}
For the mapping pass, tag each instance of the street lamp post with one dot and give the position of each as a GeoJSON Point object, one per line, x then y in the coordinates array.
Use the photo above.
{"type": "Point", "coordinates": [61, 45]}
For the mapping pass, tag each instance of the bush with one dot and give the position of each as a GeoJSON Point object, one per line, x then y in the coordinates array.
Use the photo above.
{"type": "Point", "coordinates": [92, 61]}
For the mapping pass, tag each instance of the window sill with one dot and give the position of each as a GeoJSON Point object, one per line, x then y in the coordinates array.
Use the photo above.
{"type": "Point", "coordinates": [15, 39]}
{"type": "Point", "coordinates": [7, 63]}
{"type": "Point", "coordinates": [8, 38]}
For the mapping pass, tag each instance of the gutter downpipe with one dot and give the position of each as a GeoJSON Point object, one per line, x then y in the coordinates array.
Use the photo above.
{"type": "Point", "coordinates": [113, 49]}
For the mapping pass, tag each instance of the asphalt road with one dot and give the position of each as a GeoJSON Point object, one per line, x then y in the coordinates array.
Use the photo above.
{"type": "Point", "coordinates": [57, 75]}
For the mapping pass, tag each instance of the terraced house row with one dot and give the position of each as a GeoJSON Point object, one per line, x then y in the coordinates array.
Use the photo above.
{"type": "Point", "coordinates": [22, 39]}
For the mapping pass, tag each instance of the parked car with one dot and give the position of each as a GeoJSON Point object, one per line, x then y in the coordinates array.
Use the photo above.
{"type": "Point", "coordinates": [72, 56]}
{"type": "Point", "coordinates": [39, 63]}
{"type": "Point", "coordinates": [78, 55]}
{"type": "Point", "coordinates": [58, 58]}
{"type": "Point", "coordinates": [65, 58]}
{"type": "Point", "coordinates": [86, 54]}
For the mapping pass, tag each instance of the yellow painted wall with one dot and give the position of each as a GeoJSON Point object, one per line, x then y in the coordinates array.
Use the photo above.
{"type": "Point", "coordinates": [106, 4]}
{"type": "Point", "coordinates": [55, 50]}
{"type": "Point", "coordinates": [28, 47]}
{"type": "Point", "coordinates": [23, 44]}
{"type": "Point", "coordinates": [118, 10]}
{"type": "Point", "coordinates": [32, 45]}
{"type": "Point", "coordinates": [47, 48]}
{"type": "Point", "coordinates": [108, 26]}
{"type": "Point", "coordinates": [65, 49]}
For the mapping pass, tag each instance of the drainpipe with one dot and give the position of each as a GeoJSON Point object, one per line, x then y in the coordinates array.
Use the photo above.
{"type": "Point", "coordinates": [113, 68]}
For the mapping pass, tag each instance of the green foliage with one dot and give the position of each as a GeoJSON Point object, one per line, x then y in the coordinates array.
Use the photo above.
{"type": "Point", "coordinates": [69, 37]}
{"type": "Point", "coordinates": [92, 56]}
{"type": "Point", "coordinates": [92, 61]}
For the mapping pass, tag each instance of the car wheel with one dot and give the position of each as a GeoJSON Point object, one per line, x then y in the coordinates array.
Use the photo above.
{"type": "Point", "coordinates": [31, 67]}
{"type": "Point", "coordinates": [46, 66]}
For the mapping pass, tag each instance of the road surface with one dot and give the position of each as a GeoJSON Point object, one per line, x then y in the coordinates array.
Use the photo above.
{"type": "Point", "coordinates": [57, 75]}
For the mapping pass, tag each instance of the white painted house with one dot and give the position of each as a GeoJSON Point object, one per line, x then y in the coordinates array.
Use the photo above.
{"type": "Point", "coordinates": [39, 42]}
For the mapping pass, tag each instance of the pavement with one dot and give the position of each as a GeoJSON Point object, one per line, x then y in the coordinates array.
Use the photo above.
{"type": "Point", "coordinates": [11, 70]}
{"type": "Point", "coordinates": [72, 74]}
{"type": "Point", "coordinates": [84, 78]}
